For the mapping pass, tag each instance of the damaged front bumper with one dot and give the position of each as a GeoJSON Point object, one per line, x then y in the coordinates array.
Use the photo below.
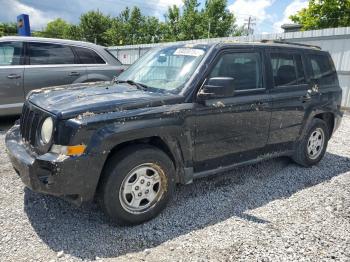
{"type": "Point", "coordinates": [73, 178]}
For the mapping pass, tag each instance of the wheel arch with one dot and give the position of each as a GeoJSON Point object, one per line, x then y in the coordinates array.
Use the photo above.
{"type": "Point", "coordinates": [170, 148]}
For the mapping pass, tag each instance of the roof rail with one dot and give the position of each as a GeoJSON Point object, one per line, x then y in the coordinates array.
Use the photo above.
{"type": "Point", "coordinates": [288, 43]}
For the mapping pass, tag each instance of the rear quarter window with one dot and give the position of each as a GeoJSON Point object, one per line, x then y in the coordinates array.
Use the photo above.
{"type": "Point", "coordinates": [88, 56]}
{"type": "Point", "coordinates": [323, 71]}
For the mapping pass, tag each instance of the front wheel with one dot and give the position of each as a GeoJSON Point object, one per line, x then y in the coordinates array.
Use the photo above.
{"type": "Point", "coordinates": [137, 184]}
{"type": "Point", "coordinates": [312, 147]}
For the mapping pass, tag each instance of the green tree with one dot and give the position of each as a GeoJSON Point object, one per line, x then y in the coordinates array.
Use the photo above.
{"type": "Point", "coordinates": [55, 29]}
{"type": "Point", "coordinates": [190, 22]}
{"type": "Point", "coordinates": [217, 20]}
{"type": "Point", "coordinates": [93, 26]}
{"type": "Point", "coordinates": [171, 29]}
{"type": "Point", "coordinates": [323, 14]}
{"type": "Point", "coordinates": [8, 29]}
{"type": "Point", "coordinates": [152, 30]}
{"type": "Point", "coordinates": [72, 32]}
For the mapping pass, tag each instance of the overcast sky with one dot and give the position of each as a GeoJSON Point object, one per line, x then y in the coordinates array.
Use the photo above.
{"type": "Point", "coordinates": [269, 14]}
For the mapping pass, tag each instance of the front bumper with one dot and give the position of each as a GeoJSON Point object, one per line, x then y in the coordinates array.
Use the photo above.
{"type": "Point", "coordinates": [73, 178]}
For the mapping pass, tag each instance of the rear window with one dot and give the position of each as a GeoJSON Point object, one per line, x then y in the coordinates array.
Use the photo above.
{"type": "Point", "coordinates": [323, 70]}
{"type": "Point", "coordinates": [87, 56]}
{"type": "Point", "coordinates": [50, 54]}
{"type": "Point", "coordinates": [287, 69]}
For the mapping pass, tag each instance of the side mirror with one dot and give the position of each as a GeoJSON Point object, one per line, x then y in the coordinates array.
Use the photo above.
{"type": "Point", "coordinates": [217, 87]}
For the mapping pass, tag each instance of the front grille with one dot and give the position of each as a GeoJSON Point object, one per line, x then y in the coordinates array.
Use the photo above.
{"type": "Point", "coordinates": [29, 123]}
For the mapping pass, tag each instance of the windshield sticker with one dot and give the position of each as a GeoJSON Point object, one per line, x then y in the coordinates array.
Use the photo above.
{"type": "Point", "coordinates": [189, 52]}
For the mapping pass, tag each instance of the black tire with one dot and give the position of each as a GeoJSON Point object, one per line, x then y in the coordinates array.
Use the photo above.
{"type": "Point", "coordinates": [118, 168]}
{"type": "Point", "coordinates": [301, 155]}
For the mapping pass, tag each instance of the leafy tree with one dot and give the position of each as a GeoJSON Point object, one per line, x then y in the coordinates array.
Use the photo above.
{"type": "Point", "coordinates": [132, 27]}
{"type": "Point", "coordinates": [72, 32]}
{"type": "Point", "coordinates": [152, 30]}
{"type": "Point", "coordinates": [323, 14]}
{"type": "Point", "coordinates": [8, 29]}
{"type": "Point", "coordinates": [217, 20]}
{"type": "Point", "coordinates": [93, 25]}
{"type": "Point", "coordinates": [171, 29]}
{"type": "Point", "coordinates": [55, 29]}
{"type": "Point", "coordinates": [190, 26]}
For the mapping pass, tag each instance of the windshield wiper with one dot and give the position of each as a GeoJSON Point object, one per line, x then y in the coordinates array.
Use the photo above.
{"type": "Point", "coordinates": [133, 83]}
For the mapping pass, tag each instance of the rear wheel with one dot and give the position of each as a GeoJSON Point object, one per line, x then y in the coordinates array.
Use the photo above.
{"type": "Point", "coordinates": [311, 149]}
{"type": "Point", "coordinates": [137, 184]}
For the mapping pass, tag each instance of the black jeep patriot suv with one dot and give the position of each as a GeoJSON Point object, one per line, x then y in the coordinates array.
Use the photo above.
{"type": "Point", "coordinates": [180, 112]}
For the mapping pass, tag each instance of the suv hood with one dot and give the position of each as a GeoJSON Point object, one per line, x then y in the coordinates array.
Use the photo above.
{"type": "Point", "coordinates": [72, 100]}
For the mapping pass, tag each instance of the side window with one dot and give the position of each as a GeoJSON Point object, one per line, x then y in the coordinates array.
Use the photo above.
{"type": "Point", "coordinates": [323, 69]}
{"type": "Point", "coordinates": [287, 69]}
{"type": "Point", "coordinates": [10, 53]}
{"type": "Point", "coordinates": [50, 54]}
{"type": "Point", "coordinates": [244, 68]}
{"type": "Point", "coordinates": [87, 56]}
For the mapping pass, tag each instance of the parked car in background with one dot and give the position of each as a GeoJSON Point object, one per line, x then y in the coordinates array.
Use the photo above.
{"type": "Point", "coordinates": [28, 63]}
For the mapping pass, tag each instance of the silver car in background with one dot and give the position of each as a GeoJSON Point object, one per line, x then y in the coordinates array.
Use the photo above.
{"type": "Point", "coordinates": [28, 63]}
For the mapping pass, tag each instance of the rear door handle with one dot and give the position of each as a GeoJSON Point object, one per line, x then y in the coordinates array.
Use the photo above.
{"type": "Point", "coordinates": [74, 74]}
{"type": "Point", "coordinates": [13, 76]}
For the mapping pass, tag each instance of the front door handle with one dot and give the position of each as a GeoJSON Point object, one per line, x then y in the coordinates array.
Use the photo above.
{"type": "Point", "coordinates": [13, 76]}
{"type": "Point", "coordinates": [74, 74]}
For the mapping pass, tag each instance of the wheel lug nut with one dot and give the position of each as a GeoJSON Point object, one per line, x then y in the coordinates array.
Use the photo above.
{"type": "Point", "coordinates": [139, 194]}
{"type": "Point", "coordinates": [136, 188]}
{"type": "Point", "coordinates": [148, 183]}
{"type": "Point", "coordinates": [142, 181]}
{"type": "Point", "coordinates": [146, 192]}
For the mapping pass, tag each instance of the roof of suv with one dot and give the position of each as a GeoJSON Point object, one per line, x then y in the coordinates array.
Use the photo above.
{"type": "Point", "coordinates": [268, 43]}
{"type": "Point", "coordinates": [49, 40]}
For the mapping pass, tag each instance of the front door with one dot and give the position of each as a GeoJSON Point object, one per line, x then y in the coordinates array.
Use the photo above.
{"type": "Point", "coordinates": [11, 78]}
{"type": "Point", "coordinates": [233, 129]}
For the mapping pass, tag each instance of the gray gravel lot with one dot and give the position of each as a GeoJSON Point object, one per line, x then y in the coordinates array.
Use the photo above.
{"type": "Point", "coordinates": [271, 211]}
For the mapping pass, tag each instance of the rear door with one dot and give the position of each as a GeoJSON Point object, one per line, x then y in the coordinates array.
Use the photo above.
{"type": "Point", "coordinates": [290, 95]}
{"type": "Point", "coordinates": [97, 67]}
{"type": "Point", "coordinates": [234, 129]}
{"type": "Point", "coordinates": [49, 64]}
{"type": "Point", "coordinates": [11, 77]}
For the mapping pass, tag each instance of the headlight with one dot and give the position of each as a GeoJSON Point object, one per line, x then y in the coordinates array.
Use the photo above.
{"type": "Point", "coordinates": [46, 130]}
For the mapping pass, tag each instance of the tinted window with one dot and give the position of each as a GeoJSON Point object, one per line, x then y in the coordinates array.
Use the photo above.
{"type": "Point", "coordinates": [87, 56]}
{"type": "Point", "coordinates": [245, 68]}
{"type": "Point", "coordinates": [287, 69]}
{"type": "Point", "coordinates": [10, 53]}
{"type": "Point", "coordinates": [323, 69]}
{"type": "Point", "coordinates": [50, 54]}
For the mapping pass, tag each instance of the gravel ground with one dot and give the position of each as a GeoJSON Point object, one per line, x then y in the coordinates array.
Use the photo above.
{"type": "Point", "coordinates": [271, 211]}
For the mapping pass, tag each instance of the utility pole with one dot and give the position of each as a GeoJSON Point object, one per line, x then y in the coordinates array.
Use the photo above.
{"type": "Point", "coordinates": [250, 23]}
{"type": "Point", "coordinates": [209, 29]}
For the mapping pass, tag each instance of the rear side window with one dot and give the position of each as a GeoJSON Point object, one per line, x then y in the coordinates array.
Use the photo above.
{"type": "Point", "coordinates": [323, 70]}
{"type": "Point", "coordinates": [10, 53]}
{"type": "Point", "coordinates": [50, 54]}
{"type": "Point", "coordinates": [287, 69]}
{"type": "Point", "coordinates": [87, 56]}
{"type": "Point", "coordinates": [244, 68]}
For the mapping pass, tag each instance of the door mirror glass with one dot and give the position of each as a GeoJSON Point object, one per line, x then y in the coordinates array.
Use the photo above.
{"type": "Point", "coordinates": [217, 87]}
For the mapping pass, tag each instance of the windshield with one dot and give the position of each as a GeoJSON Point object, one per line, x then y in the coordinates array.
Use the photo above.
{"type": "Point", "coordinates": [165, 69]}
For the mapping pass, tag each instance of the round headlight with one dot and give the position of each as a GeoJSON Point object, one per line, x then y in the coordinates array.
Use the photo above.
{"type": "Point", "coordinates": [46, 130]}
